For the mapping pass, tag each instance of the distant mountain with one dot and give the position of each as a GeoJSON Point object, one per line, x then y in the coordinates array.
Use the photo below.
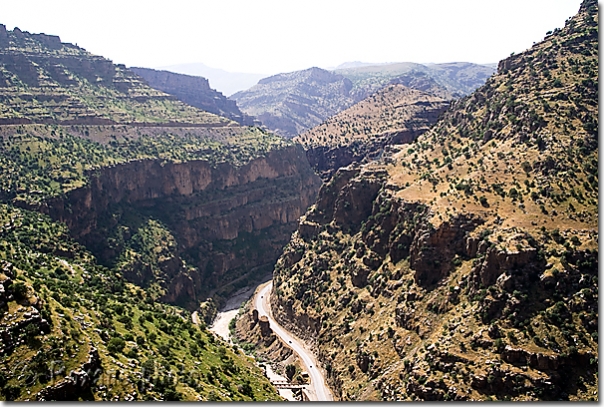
{"type": "Point", "coordinates": [458, 78]}
{"type": "Point", "coordinates": [293, 103]}
{"type": "Point", "coordinates": [195, 91]}
{"type": "Point", "coordinates": [221, 80]}
{"type": "Point", "coordinates": [491, 65]}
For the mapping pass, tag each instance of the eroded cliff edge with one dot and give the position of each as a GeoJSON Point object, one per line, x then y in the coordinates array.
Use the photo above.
{"type": "Point", "coordinates": [211, 223]}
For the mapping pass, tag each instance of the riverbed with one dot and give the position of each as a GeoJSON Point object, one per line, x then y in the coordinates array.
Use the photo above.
{"type": "Point", "coordinates": [220, 326]}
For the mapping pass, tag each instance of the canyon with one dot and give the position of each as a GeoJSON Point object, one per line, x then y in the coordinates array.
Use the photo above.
{"type": "Point", "coordinates": [431, 230]}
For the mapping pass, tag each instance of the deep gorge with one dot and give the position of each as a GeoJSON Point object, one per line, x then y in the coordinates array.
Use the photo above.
{"type": "Point", "coordinates": [226, 220]}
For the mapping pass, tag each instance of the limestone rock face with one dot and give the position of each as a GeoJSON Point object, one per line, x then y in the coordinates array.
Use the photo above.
{"type": "Point", "coordinates": [265, 327]}
{"type": "Point", "coordinates": [75, 384]}
{"type": "Point", "coordinates": [433, 249]}
{"type": "Point", "coordinates": [217, 214]}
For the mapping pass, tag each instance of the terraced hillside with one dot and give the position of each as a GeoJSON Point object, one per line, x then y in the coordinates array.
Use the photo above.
{"type": "Point", "coordinates": [465, 265]}
{"type": "Point", "coordinates": [43, 80]}
{"type": "Point", "coordinates": [393, 115]}
{"type": "Point", "coordinates": [194, 91]}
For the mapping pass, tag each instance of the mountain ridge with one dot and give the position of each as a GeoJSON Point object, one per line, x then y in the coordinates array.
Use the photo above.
{"type": "Point", "coordinates": [395, 114]}
{"type": "Point", "coordinates": [195, 91]}
{"type": "Point", "coordinates": [464, 266]}
{"type": "Point", "coordinates": [220, 79]}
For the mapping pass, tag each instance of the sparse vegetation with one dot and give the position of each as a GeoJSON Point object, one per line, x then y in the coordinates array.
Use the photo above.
{"type": "Point", "coordinates": [485, 260]}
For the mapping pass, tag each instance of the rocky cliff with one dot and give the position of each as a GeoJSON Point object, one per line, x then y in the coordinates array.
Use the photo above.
{"type": "Point", "coordinates": [194, 91]}
{"type": "Point", "coordinates": [465, 265]}
{"type": "Point", "coordinates": [226, 221]}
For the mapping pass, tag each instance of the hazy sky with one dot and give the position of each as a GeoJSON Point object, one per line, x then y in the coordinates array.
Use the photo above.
{"type": "Point", "coordinates": [271, 36]}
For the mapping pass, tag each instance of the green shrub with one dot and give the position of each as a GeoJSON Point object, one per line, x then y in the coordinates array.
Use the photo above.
{"type": "Point", "coordinates": [19, 290]}
{"type": "Point", "coordinates": [116, 345]}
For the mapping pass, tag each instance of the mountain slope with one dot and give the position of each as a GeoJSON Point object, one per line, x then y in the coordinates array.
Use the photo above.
{"type": "Point", "coordinates": [115, 200]}
{"type": "Point", "coordinates": [194, 91]}
{"type": "Point", "coordinates": [465, 265]}
{"type": "Point", "coordinates": [293, 103]}
{"type": "Point", "coordinates": [449, 80]}
{"type": "Point", "coordinates": [393, 115]}
{"type": "Point", "coordinates": [74, 330]}
{"type": "Point", "coordinates": [43, 80]}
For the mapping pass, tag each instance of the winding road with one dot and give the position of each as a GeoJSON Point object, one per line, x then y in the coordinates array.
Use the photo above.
{"type": "Point", "coordinates": [317, 381]}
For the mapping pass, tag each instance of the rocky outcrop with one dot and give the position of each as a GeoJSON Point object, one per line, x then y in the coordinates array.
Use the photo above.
{"type": "Point", "coordinates": [433, 249]}
{"type": "Point", "coordinates": [195, 91]}
{"type": "Point", "coordinates": [540, 361]}
{"type": "Point", "coordinates": [23, 322]}
{"type": "Point", "coordinates": [265, 328]}
{"type": "Point", "coordinates": [77, 383]}
{"type": "Point", "coordinates": [380, 231]}
{"type": "Point", "coordinates": [326, 160]}
{"type": "Point", "coordinates": [495, 262]}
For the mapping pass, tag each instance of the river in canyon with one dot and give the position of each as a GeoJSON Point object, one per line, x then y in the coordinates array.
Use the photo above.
{"type": "Point", "coordinates": [317, 389]}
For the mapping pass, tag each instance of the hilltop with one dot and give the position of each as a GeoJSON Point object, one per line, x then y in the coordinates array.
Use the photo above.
{"type": "Point", "coordinates": [464, 266]}
{"type": "Point", "coordinates": [290, 103]}
{"type": "Point", "coordinates": [393, 115]}
{"type": "Point", "coordinates": [295, 102]}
